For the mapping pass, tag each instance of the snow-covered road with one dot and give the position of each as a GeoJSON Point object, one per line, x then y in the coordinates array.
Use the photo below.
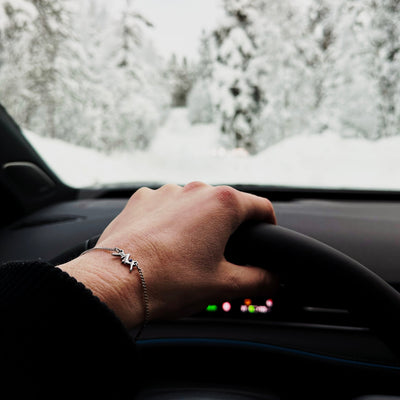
{"type": "Point", "coordinates": [182, 152]}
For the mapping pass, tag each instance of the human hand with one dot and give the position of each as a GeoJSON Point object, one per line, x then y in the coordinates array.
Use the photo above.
{"type": "Point", "coordinates": [178, 235]}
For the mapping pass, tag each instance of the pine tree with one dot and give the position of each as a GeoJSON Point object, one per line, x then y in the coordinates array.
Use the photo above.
{"type": "Point", "coordinates": [199, 99]}
{"type": "Point", "coordinates": [134, 80]}
{"type": "Point", "coordinates": [205, 65]}
{"type": "Point", "coordinates": [321, 29]}
{"type": "Point", "coordinates": [40, 71]}
{"type": "Point", "coordinates": [286, 75]}
{"type": "Point", "coordinates": [180, 75]}
{"type": "Point", "coordinates": [81, 74]}
{"type": "Point", "coordinates": [130, 34]}
{"type": "Point", "coordinates": [15, 20]}
{"type": "Point", "coordinates": [240, 97]}
{"type": "Point", "coordinates": [47, 68]}
{"type": "Point", "coordinates": [385, 42]}
{"type": "Point", "coordinates": [259, 73]}
{"type": "Point", "coordinates": [16, 26]}
{"type": "Point", "coordinates": [360, 100]}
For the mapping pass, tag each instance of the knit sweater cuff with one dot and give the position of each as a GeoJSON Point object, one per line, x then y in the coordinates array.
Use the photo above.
{"type": "Point", "coordinates": [51, 322]}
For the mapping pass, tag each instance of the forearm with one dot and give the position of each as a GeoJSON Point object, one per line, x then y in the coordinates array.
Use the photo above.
{"type": "Point", "coordinates": [54, 331]}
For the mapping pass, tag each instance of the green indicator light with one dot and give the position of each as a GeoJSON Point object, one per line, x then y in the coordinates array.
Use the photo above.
{"type": "Point", "coordinates": [212, 308]}
{"type": "Point", "coordinates": [251, 308]}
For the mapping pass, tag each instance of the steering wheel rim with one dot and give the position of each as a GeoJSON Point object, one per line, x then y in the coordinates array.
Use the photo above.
{"type": "Point", "coordinates": [316, 268]}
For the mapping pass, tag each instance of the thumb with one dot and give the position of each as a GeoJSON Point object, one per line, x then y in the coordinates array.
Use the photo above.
{"type": "Point", "coordinates": [248, 281]}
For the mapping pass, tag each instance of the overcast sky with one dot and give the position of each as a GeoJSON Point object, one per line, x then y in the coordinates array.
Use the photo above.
{"type": "Point", "coordinates": [178, 23]}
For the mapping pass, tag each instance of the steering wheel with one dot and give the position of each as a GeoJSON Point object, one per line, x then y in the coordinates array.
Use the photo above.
{"type": "Point", "coordinates": [318, 269]}
{"type": "Point", "coordinates": [314, 267]}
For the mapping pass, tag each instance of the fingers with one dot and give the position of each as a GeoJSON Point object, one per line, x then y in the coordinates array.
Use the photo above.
{"type": "Point", "coordinates": [257, 208]}
{"type": "Point", "coordinates": [248, 206]}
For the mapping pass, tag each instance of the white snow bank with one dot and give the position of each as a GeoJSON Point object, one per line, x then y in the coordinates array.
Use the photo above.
{"type": "Point", "coordinates": [181, 153]}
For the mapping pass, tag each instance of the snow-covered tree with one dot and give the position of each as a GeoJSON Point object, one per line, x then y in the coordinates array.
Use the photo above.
{"type": "Point", "coordinates": [239, 95]}
{"type": "Point", "coordinates": [74, 71]}
{"type": "Point", "coordinates": [40, 66]}
{"type": "Point", "coordinates": [205, 65]}
{"type": "Point", "coordinates": [180, 75]}
{"type": "Point", "coordinates": [16, 27]}
{"type": "Point", "coordinates": [364, 77]}
{"type": "Point", "coordinates": [199, 100]}
{"type": "Point", "coordinates": [200, 104]}
{"type": "Point", "coordinates": [287, 76]}
{"type": "Point", "coordinates": [321, 22]}
{"type": "Point", "coordinates": [384, 25]}
{"type": "Point", "coordinates": [50, 61]}
{"type": "Point", "coordinates": [347, 105]}
{"type": "Point", "coordinates": [259, 74]}
{"type": "Point", "coordinates": [135, 97]}
{"type": "Point", "coordinates": [15, 19]}
{"type": "Point", "coordinates": [131, 66]}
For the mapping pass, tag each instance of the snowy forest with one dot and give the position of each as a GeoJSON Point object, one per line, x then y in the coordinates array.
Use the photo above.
{"type": "Point", "coordinates": [268, 70]}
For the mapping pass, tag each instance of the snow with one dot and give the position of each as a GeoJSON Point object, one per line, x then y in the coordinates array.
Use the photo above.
{"type": "Point", "coordinates": [182, 152]}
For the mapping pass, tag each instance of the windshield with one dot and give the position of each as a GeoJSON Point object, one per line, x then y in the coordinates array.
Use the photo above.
{"type": "Point", "coordinates": [289, 93]}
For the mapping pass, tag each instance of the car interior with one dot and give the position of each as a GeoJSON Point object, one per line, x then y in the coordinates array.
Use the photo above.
{"type": "Point", "coordinates": [332, 330]}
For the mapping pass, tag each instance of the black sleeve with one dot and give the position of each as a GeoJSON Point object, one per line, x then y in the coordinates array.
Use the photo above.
{"type": "Point", "coordinates": [57, 340]}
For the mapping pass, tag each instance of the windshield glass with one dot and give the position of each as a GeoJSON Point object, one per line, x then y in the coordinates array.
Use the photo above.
{"type": "Point", "coordinates": [290, 93]}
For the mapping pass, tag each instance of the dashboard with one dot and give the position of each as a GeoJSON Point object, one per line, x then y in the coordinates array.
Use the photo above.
{"type": "Point", "coordinates": [321, 334]}
{"type": "Point", "coordinates": [366, 231]}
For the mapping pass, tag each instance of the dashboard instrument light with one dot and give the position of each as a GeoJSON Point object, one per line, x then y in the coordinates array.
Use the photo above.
{"type": "Point", "coordinates": [226, 306]}
{"type": "Point", "coordinates": [247, 302]}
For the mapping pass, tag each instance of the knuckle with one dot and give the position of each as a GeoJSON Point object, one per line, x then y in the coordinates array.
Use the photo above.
{"type": "Point", "coordinates": [140, 193]}
{"type": "Point", "coordinates": [194, 185]}
{"type": "Point", "coordinates": [227, 197]}
{"type": "Point", "coordinates": [169, 187]}
{"type": "Point", "coordinates": [229, 205]}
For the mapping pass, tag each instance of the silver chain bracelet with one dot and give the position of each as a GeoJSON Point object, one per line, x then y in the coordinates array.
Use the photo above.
{"type": "Point", "coordinates": [127, 260]}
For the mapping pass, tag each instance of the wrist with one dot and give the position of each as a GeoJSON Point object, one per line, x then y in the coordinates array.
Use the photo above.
{"type": "Point", "coordinates": [112, 283]}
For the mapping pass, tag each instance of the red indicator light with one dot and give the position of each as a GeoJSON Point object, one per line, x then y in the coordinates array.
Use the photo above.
{"type": "Point", "coordinates": [269, 303]}
{"type": "Point", "coordinates": [226, 306]}
{"type": "Point", "coordinates": [247, 302]}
